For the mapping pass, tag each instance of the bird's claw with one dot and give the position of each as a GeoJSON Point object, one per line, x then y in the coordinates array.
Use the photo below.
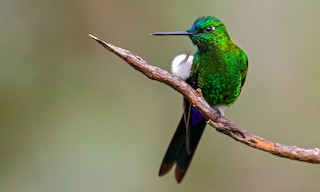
{"type": "Point", "coordinates": [199, 92]}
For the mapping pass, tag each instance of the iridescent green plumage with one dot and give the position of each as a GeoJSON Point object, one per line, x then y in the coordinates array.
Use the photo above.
{"type": "Point", "coordinates": [219, 66]}
{"type": "Point", "coordinates": [219, 69]}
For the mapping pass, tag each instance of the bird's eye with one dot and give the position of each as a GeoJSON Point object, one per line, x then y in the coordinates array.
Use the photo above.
{"type": "Point", "coordinates": [209, 29]}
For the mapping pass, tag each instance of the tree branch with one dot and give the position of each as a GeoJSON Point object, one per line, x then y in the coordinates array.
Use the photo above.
{"type": "Point", "coordinates": [223, 125]}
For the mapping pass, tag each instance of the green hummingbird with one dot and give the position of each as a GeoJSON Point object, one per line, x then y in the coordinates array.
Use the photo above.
{"type": "Point", "coordinates": [219, 69]}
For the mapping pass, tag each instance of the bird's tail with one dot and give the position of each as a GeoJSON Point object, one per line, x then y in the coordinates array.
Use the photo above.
{"type": "Point", "coordinates": [179, 152]}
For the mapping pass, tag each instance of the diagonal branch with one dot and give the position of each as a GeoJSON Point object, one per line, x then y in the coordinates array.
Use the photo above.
{"type": "Point", "coordinates": [223, 125]}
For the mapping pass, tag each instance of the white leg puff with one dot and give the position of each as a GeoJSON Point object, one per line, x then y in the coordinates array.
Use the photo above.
{"type": "Point", "coordinates": [181, 65]}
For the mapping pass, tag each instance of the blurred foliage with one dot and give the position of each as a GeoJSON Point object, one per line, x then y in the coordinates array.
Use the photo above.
{"type": "Point", "coordinates": [74, 117]}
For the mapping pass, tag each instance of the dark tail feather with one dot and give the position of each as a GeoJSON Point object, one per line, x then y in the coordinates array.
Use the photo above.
{"type": "Point", "coordinates": [177, 151]}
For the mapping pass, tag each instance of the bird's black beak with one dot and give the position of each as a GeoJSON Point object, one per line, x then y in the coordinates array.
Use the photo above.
{"type": "Point", "coordinates": [173, 33]}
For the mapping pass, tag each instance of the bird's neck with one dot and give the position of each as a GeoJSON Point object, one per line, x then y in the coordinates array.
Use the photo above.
{"type": "Point", "coordinates": [219, 44]}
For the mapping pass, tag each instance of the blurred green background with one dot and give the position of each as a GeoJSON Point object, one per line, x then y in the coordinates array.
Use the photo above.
{"type": "Point", "coordinates": [74, 117]}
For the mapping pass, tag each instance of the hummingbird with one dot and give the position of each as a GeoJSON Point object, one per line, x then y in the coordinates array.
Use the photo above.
{"type": "Point", "coordinates": [219, 68]}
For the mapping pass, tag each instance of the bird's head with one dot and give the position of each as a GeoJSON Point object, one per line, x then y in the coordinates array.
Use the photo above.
{"type": "Point", "coordinates": [205, 33]}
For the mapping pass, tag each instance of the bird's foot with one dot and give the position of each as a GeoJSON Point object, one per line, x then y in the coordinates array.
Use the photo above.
{"type": "Point", "coordinates": [186, 58]}
{"type": "Point", "coordinates": [218, 115]}
{"type": "Point", "coordinates": [199, 92]}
